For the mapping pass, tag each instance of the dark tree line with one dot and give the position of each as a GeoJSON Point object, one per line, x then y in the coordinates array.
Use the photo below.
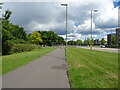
{"type": "Point", "coordinates": [47, 38]}
{"type": "Point", "coordinates": [50, 38]}
{"type": "Point", "coordinates": [78, 42]}
{"type": "Point", "coordinates": [85, 42]}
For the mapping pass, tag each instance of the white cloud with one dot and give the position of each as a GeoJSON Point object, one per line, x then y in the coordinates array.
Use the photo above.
{"type": "Point", "coordinates": [51, 16]}
{"type": "Point", "coordinates": [108, 16]}
{"type": "Point", "coordinates": [86, 25]}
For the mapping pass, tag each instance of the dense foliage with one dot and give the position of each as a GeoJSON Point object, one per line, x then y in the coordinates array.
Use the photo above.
{"type": "Point", "coordinates": [23, 47]}
{"type": "Point", "coordinates": [103, 41]}
{"type": "Point", "coordinates": [80, 42]}
{"type": "Point", "coordinates": [114, 39]}
{"type": "Point", "coordinates": [36, 37]}
{"type": "Point", "coordinates": [15, 38]}
{"type": "Point", "coordinates": [11, 34]}
{"type": "Point", "coordinates": [50, 38]}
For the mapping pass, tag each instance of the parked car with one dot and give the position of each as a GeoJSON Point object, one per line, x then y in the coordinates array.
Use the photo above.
{"type": "Point", "coordinates": [102, 46]}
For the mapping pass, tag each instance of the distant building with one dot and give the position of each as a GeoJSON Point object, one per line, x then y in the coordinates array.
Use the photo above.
{"type": "Point", "coordinates": [97, 42]}
{"type": "Point", "coordinates": [118, 36]}
{"type": "Point", "coordinates": [109, 38]}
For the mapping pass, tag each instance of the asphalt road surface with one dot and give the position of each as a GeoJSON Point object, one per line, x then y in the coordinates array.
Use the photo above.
{"type": "Point", "coordinates": [113, 50]}
{"type": "Point", "coordinates": [48, 71]}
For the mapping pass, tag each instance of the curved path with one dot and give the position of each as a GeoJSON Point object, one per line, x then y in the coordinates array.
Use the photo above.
{"type": "Point", "coordinates": [48, 71]}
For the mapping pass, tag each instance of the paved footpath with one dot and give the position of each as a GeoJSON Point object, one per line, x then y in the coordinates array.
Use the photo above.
{"type": "Point", "coordinates": [48, 71]}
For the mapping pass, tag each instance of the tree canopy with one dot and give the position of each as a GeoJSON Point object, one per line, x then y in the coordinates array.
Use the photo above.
{"type": "Point", "coordinates": [50, 38]}
{"type": "Point", "coordinates": [11, 33]}
{"type": "Point", "coordinates": [79, 42]}
{"type": "Point", "coordinates": [103, 41]}
{"type": "Point", "coordinates": [113, 39]}
{"type": "Point", "coordinates": [36, 37]}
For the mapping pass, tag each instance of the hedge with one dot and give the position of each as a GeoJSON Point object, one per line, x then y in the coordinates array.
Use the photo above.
{"type": "Point", "coordinates": [8, 44]}
{"type": "Point", "coordinates": [113, 46]}
{"type": "Point", "coordinates": [17, 48]}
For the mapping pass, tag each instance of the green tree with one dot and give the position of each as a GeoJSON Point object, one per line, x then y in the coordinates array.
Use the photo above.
{"type": "Point", "coordinates": [71, 42]}
{"type": "Point", "coordinates": [50, 38]}
{"type": "Point", "coordinates": [113, 39]}
{"type": "Point", "coordinates": [36, 37]}
{"type": "Point", "coordinates": [92, 41]}
{"type": "Point", "coordinates": [87, 42]}
{"type": "Point", "coordinates": [103, 41]}
{"type": "Point", "coordinates": [79, 42]}
{"type": "Point", "coordinates": [11, 34]}
{"type": "Point", "coordinates": [7, 14]}
{"type": "Point", "coordinates": [60, 40]}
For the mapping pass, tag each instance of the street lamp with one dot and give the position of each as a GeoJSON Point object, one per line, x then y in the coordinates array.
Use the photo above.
{"type": "Point", "coordinates": [66, 27]}
{"type": "Point", "coordinates": [91, 26]}
{"type": "Point", "coordinates": [119, 16]}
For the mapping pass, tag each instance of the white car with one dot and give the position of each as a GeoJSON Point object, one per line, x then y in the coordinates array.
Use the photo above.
{"type": "Point", "coordinates": [102, 46]}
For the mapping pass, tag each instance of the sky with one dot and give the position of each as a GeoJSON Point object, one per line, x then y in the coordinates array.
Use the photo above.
{"type": "Point", "coordinates": [50, 16]}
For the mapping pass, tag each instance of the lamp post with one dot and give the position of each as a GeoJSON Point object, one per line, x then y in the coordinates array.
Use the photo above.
{"type": "Point", "coordinates": [119, 16]}
{"type": "Point", "coordinates": [91, 26]}
{"type": "Point", "coordinates": [66, 27]}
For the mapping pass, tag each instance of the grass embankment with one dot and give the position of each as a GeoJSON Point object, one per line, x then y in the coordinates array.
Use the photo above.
{"type": "Point", "coordinates": [11, 62]}
{"type": "Point", "coordinates": [92, 69]}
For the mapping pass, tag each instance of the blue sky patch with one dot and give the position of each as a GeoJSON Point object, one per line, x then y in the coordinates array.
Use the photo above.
{"type": "Point", "coordinates": [116, 4]}
{"type": "Point", "coordinates": [76, 24]}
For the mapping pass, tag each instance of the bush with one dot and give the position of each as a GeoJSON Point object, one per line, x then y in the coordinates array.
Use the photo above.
{"type": "Point", "coordinates": [8, 44]}
{"type": "Point", "coordinates": [19, 41]}
{"type": "Point", "coordinates": [23, 47]}
{"type": "Point", "coordinates": [6, 47]}
{"type": "Point", "coordinates": [113, 46]}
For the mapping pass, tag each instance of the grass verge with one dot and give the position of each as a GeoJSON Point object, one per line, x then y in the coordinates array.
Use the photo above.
{"type": "Point", "coordinates": [92, 69]}
{"type": "Point", "coordinates": [11, 62]}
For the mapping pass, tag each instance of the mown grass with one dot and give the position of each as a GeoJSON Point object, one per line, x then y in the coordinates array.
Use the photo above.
{"type": "Point", "coordinates": [11, 62]}
{"type": "Point", "coordinates": [92, 69]}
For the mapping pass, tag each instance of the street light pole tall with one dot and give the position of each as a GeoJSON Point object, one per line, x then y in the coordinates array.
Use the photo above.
{"type": "Point", "coordinates": [119, 16]}
{"type": "Point", "coordinates": [66, 27]}
{"type": "Point", "coordinates": [91, 26]}
{"type": "Point", "coordinates": [91, 31]}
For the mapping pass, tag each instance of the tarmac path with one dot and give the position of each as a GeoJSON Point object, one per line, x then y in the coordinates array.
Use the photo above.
{"type": "Point", "coordinates": [48, 71]}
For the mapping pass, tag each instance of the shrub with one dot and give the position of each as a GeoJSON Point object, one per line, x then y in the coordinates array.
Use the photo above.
{"type": "Point", "coordinates": [113, 46]}
{"type": "Point", "coordinates": [19, 41]}
{"type": "Point", "coordinates": [6, 47]}
{"type": "Point", "coordinates": [8, 44]}
{"type": "Point", "coordinates": [23, 47]}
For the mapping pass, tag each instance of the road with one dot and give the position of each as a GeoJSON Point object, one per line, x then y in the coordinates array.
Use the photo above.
{"type": "Point", "coordinates": [113, 50]}
{"type": "Point", "coordinates": [48, 71]}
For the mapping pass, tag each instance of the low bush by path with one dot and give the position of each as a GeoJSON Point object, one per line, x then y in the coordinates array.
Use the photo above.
{"type": "Point", "coordinates": [17, 48]}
